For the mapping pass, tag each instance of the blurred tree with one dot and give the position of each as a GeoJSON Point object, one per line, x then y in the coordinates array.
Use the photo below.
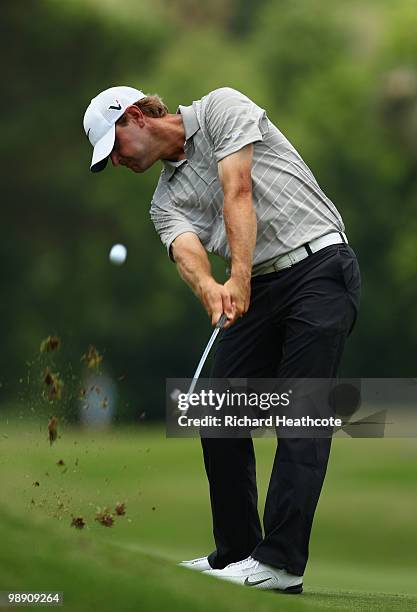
{"type": "Point", "coordinates": [338, 78]}
{"type": "Point", "coordinates": [340, 91]}
{"type": "Point", "coordinates": [56, 272]}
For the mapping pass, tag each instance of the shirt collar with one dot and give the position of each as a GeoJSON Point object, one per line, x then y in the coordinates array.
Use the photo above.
{"type": "Point", "coordinates": [171, 166]}
{"type": "Point", "coordinates": [189, 118]}
{"type": "Point", "coordinates": [191, 126]}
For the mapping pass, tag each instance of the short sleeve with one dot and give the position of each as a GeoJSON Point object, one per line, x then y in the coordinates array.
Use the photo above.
{"type": "Point", "coordinates": [232, 121]}
{"type": "Point", "coordinates": [169, 223]}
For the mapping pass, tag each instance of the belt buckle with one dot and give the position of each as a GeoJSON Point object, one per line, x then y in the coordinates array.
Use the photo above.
{"type": "Point", "coordinates": [292, 258]}
{"type": "Point", "coordinates": [276, 265]}
{"type": "Point", "coordinates": [285, 261]}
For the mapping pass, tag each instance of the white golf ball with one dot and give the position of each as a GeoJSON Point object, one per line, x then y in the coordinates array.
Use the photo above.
{"type": "Point", "coordinates": [118, 254]}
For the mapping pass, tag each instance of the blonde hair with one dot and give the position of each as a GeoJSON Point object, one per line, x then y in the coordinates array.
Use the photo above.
{"type": "Point", "coordinates": [152, 106]}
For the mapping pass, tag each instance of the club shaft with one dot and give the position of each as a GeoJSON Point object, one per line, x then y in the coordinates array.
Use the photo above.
{"type": "Point", "coordinates": [206, 352]}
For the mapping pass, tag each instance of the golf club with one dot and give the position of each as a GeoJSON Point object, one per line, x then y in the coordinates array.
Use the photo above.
{"type": "Point", "coordinates": [206, 352]}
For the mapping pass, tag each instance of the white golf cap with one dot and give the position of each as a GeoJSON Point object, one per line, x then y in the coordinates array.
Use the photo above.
{"type": "Point", "coordinates": [100, 118]}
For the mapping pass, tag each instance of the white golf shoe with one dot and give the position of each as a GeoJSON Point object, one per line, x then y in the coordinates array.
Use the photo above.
{"type": "Point", "coordinates": [256, 575]}
{"type": "Point", "coordinates": [199, 565]}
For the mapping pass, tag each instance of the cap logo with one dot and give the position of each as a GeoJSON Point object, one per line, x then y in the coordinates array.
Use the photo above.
{"type": "Point", "coordinates": [116, 107]}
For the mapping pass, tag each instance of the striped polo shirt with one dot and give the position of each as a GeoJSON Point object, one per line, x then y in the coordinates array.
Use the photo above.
{"type": "Point", "coordinates": [291, 209]}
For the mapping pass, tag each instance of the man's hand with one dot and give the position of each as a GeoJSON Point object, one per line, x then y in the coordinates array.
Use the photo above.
{"type": "Point", "coordinates": [216, 299]}
{"type": "Point", "coordinates": [238, 290]}
{"type": "Point", "coordinates": [232, 298]}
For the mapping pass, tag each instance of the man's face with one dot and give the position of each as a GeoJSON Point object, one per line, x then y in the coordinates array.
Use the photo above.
{"type": "Point", "coordinates": [134, 146]}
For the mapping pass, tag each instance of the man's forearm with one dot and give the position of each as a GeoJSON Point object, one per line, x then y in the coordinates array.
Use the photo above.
{"type": "Point", "coordinates": [192, 263]}
{"type": "Point", "coordinates": [194, 268]}
{"type": "Point", "coordinates": [240, 222]}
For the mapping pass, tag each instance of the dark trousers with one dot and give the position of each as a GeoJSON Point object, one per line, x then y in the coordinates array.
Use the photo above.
{"type": "Point", "coordinates": [296, 327]}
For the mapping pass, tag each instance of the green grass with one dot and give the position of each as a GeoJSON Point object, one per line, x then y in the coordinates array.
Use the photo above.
{"type": "Point", "coordinates": [362, 553]}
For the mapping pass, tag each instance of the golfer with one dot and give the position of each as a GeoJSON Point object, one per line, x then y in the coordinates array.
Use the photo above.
{"type": "Point", "coordinates": [233, 185]}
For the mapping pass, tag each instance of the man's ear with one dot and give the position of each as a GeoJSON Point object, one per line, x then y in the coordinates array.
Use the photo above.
{"type": "Point", "coordinates": [133, 113]}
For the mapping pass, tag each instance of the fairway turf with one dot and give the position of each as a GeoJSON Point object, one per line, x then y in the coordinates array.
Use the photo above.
{"type": "Point", "coordinates": [362, 554]}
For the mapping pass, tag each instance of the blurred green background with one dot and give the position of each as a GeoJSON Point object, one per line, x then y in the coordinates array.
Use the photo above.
{"type": "Point", "coordinates": [339, 79]}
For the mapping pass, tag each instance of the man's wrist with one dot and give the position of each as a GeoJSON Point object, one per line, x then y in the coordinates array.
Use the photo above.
{"type": "Point", "coordinates": [203, 281]}
{"type": "Point", "coordinates": [241, 273]}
